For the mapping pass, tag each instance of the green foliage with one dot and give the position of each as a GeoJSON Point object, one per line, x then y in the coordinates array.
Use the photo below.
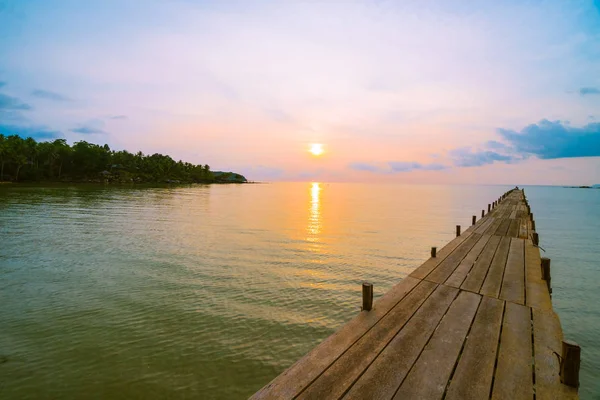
{"type": "Point", "coordinates": [28, 160]}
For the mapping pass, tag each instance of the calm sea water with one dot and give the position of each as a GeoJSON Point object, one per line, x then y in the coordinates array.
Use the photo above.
{"type": "Point", "coordinates": [211, 291]}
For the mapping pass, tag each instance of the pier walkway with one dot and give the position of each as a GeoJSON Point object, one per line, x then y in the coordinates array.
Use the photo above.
{"type": "Point", "coordinates": [473, 322]}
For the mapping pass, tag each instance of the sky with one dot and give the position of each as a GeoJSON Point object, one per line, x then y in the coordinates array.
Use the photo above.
{"type": "Point", "coordinates": [460, 92]}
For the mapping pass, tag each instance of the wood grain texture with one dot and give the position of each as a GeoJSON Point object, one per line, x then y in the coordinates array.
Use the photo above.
{"type": "Point", "coordinates": [473, 376]}
{"type": "Point", "coordinates": [432, 263]}
{"type": "Point", "coordinates": [458, 276]}
{"type": "Point", "coordinates": [513, 283]}
{"type": "Point", "coordinates": [445, 268]}
{"type": "Point", "coordinates": [514, 377]}
{"type": "Point", "coordinates": [477, 274]}
{"type": "Point", "coordinates": [429, 376]}
{"type": "Point", "coordinates": [493, 281]}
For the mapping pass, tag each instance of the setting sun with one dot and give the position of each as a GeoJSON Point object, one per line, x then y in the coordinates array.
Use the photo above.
{"type": "Point", "coordinates": [316, 149]}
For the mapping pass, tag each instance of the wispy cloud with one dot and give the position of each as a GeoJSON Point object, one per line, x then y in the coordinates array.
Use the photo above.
{"type": "Point", "coordinates": [555, 139]}
{"type": "Point", "coordinates": [48, 95]}
{"type": "Point", "coordinates": [12, 103]}
{"type": "Point", "coordinates": [88, 130]}
{"type": "Point", "coordinates": [589, 90]}
{"type": "Point", "coordinates": [36, 132]}
{"type": "Point", "coordinates": [396, 167]}
{"type": "Point", "coordinates": [466, 157]}
{"type": "Point", "coordinates": [118, 117]}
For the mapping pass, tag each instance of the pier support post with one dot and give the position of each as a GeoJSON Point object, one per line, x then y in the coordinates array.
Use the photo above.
{"type": "Point", "coordinates": [531, 216]}
{"type": "Point", "coordinates": [546, 272]}
{"type": "Point", "coordinates": [489, 208]}
{"type": "Point", "coordinates": [482, 213]}
{"type": "Point", "coordinates": [536, 238]}
{"type": "Point", "coordinates": [367, 296]}
{"type": "Point", "coordinates": [569, 366]}
{"type": "Point", "coordinates": [433, 252]}
{"type": "Point", "coordinates": [474, 220]}
{"type": "Point", "coordinates": [457, 230]}
{"type": "Point", "coordinates": [533, 225]}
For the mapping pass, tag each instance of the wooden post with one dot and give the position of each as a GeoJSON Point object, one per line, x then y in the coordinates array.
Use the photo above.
{"type": "Point", "coordinates": [546, 272]}
{"type": "Point", "coordinates": [533, 225]}
{"type": "Point", "coordinates": [474, 220]}
{"type": "Point", "coordinates": [367, 293]}
{"type": "Point", "coordinates": [489, 208]}
{"type": "Point", "coordinates": [433, 252]}
{"type": "Point", "coordinates": [457, 230]}
{"type": "Point", "coordinates": [536, 238]}
{"type": "Point", "coordinates": [531, 216]}
{"type": "Point", "coordinates": [482, 213]}
{"type": "Point", "coordinates": [569, 366]}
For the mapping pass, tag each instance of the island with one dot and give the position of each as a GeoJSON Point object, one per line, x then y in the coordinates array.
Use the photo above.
{"type": "Point", "coordinates": [27, 160]}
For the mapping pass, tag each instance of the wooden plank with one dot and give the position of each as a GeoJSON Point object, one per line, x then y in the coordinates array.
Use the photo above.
{"type": "Point", "coordinates": [475, 369]}
{"type": "Point", "coordinates": [430, 264]}
{"type": "Point", "coordinates": [334, 381]}
{"type": "Point", "coordinates": [503, 228]}
{"type": "Point", "coordinates": [513, 283]}
{"type": "Point", "coordinates": [443, 271]}
{"type": "Point", "coordinates": [459, 274]}
{"type": "Point", "coordinates": [429, 376]}
{"type": "Point", "coordinates": [514, 379]}
{"type": "Point", "coordinates": [493, 280]}
{"type": "Point", "coordinates": [513, 214]}
{"type": "Point", "coordinates": [293, 380]}
{"type": "Point", "coordinates": [475, 278]}
{"type": "Point", "coordinates": [537, 295]}
{"type": "Point", "coordinates": [483, 226]}
{"type": "Point", "coordinates": [389, 369]}
{"type": "Point", "coordinates": [548, 336]}
{"type": "Point", "coordinates": [523, 228]}
{"type": "Point", "coordinates": [513, 229]}
{"type": "Point", "coordinates": [493, 227]}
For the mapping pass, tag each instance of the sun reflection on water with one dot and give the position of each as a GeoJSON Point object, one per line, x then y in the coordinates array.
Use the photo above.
{"type": "Point", "coordinates": [314, 218]}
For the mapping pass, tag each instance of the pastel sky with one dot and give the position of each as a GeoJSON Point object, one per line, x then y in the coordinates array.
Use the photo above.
{"type": "Point", "coordinates": [414, 91]}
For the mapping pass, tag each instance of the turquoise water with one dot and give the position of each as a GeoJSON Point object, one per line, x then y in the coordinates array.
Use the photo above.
{"type": "Point", "coordinates": [211, 291]}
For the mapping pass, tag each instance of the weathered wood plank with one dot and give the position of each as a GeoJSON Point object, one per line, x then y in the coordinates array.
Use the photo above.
{"type": "Point", "coordinates": [484, 225]}
{"type": "Point", "coordinates": [548, 336]}
{"type": "Point", "coordinates": [493, 227]}
{"type": "Point", "coordinates": [514, 379]}
{"type": "Point", "coordinates": [445, 268]}
{"type": "Point", "coordinates": [503, 228]}
{"type": "Point", "coordinates": [513, 283]}
{"type": "Point", "coordinates": [339, 377]}
{"type": "Point", "coordinates": [523, 233]}
{"type": "Point", "coordinates": [475, 369]}
{"type": "Point", "coordinates": [513, 213]}
{"type": "Point", "coordinates": [459, 274]}
{"type": "Point", "coordinates": [386, 373]}
{"type": "Point", "coordinates": [513, 229]}
{"type": "Point", "coordinates": [431, 263]}
{"type": "Point", "coordinates": [536, 288]}
{"type": "Point", "coordinates": [304, 371]}
{"type": "Point", "coordinates": [493, 280]}
{"type": "Point", "coordinates": [475, 278]}
{"type": "Point", "coordinates": [429, 376]}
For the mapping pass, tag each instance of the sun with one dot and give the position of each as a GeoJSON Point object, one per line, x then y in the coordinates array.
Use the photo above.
{"type": "Point", "coordinates": [316, 149]}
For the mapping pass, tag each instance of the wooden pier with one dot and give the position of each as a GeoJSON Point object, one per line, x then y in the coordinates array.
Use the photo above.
{"type": "Point", "coordinates": [475, 321]}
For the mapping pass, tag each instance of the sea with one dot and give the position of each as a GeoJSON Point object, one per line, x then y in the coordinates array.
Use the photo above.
{"type": "Point", "coordinates": [211, 291]}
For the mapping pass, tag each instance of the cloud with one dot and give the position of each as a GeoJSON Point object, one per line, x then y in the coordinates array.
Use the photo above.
{"type": "Point", "coordinates": [588, 90]}
{"type": "Point", "coordinates": [12, 103]}
{"type": "Point", "coordinates": [555, 139]}
{"type": "Point", "coordinates": [118, 117]}
{"type": "Point", "coordinates": [48, 95]}
{"type": "Point", "coordinates": [396, 166]}
{"type": "Point", "coordinates": [87, 130]}
{"type": "Point", "coordinates": [36, 132]}
{"type": "Point", "coordinates": [465, 157]}
{"type": "Point", "coordinates": [364, 167]}
{"type": "Point", "coordinates": [401, 166]}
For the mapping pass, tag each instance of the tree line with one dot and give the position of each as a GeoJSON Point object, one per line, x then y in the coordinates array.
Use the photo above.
{"type": "Point", "coordinates": [29, 160]}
